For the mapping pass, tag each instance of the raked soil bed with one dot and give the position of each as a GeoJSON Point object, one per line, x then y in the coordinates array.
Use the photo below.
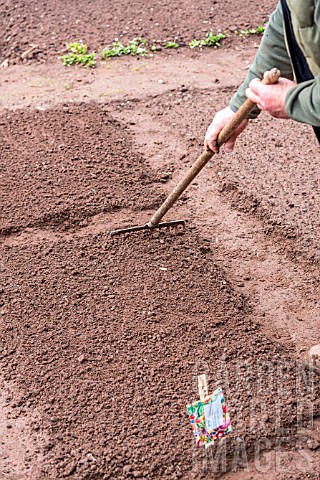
{"type": "Point", "coordinates": [105, 336]}
{"type": "Point", "coordinates": [102, 338]}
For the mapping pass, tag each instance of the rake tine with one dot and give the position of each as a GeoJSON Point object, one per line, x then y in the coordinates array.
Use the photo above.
{"type": "Point", "coordinates": [137, 228]}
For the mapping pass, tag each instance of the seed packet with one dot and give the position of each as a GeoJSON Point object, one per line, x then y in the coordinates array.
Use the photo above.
{"type": "Point", "coordinates": [209, 418]}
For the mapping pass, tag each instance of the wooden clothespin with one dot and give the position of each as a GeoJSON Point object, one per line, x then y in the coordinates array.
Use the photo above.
{"type": "Point", "coordinates": [203, 386]}
{"type": "Point", "coordinates": [203, 391]}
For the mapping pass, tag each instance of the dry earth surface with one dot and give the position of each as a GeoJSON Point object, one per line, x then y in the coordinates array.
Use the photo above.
{"type": "Point", "coordinates": [103, 338]}
{"type": "Point", "coordinates": [50, 25]}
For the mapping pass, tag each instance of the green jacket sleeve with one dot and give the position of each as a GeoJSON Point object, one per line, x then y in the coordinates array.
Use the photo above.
{"type": "Point", "coordinates": [272, 53]}
{"type": "Point", "coordinates": [302, 102]}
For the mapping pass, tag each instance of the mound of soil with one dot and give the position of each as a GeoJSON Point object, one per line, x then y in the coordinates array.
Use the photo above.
{"type": "Point", "coordinates": [62, 165]}
{"type": "Point", "coordinates": [105, 339]}
{"type": "Point", "coordinates": [52, 24]}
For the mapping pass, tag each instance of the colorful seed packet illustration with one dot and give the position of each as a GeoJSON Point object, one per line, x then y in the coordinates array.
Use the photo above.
{"type": "Point", "coordinates": [209, 418]}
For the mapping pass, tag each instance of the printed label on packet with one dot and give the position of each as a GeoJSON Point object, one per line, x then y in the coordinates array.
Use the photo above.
{"type": "Point", "coordinates": [213, 414]}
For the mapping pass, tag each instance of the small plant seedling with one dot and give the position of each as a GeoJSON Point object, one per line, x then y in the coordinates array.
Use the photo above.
{"type": "Point", "coordinates": [78, 55]}
{"type": "Point", "coordinates": [261, 28]}
{"type": "Point", "coordinates": [134, 47]}
{"type": "Point", "coordinates": [77, 47]}
{"type": "Point", "coordinates": [195, 43]}
{"type": "Point", "coordinates": [171, 45]}
{"type": "Point", "coordinates": [252, 31]}
{"type": "Point", "coordinates": [211, 40]}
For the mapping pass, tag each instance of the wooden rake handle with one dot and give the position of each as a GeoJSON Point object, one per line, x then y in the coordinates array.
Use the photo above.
{"type": "Point", "coordinates": [271, 78]}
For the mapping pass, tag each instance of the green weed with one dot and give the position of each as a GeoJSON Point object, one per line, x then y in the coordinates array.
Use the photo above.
{"type": "Point", "coordinates": [76, 47]}
{"type": "Point", "coordinates": [78, 55]}
{"type": "Point", "coordinates": [134, 47]}
{"type": "Point", "coordinates": [261, 28]}
{"type": "Point", "coordinates": [195, 43]}
{"type": "Point", "coordinates": [251, 31]}
{"type": "Point", "coordinates": [171, 45]}
{"type": "Point", "coordinates": [211, 40]}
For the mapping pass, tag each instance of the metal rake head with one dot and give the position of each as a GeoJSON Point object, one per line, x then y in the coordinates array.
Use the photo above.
{"type": "Point", "coordinates": [173, 224]}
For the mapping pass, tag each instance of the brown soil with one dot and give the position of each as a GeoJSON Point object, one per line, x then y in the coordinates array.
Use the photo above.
{"type": "Point", "coordinates": [103, 338]}
{"type": "Point", "coordinates": [75, 168]}
{"type": "Point", "coordinates": [290, 208]}
{"type": "Point", "coordinates": [52, 24]}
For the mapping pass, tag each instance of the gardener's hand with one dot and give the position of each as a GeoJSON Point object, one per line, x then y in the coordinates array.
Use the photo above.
{"type": "Point", "coordinates": [220, 120]}
{"type": "Point", "coordinates": [270, 98]}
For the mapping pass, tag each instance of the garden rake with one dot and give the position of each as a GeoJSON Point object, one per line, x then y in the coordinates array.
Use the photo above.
{"type": "Point", "coordinates": [270, 78]}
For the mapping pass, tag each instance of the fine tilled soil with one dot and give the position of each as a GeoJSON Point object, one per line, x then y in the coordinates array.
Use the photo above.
{"type": "Point", "coordinates": [102, 338]}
